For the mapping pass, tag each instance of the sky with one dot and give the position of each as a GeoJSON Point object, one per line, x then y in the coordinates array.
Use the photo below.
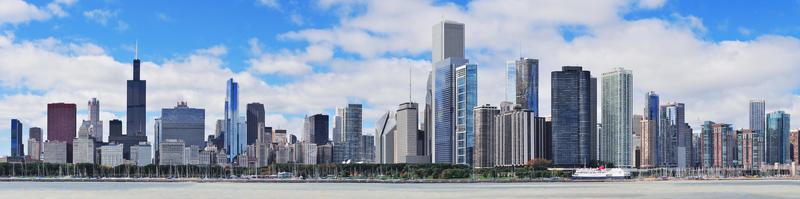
{"type": "Point", "coordinates": [306, 57]}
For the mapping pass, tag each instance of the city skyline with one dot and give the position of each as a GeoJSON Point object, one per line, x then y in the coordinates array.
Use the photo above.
{"type": "Point", "coordinates": [170, 74]}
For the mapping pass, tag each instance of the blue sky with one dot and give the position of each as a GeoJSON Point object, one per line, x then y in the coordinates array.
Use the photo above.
{"type": "Point", "coordinates": [306, 57]}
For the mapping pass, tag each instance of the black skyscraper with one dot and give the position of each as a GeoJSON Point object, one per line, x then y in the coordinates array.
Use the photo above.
{"type": "Point", "coordinates": [137, 91]}
{"type": "Point", "coordinates": [317, 129]}
{"type": "Point", "coordinates": [255, 120]}
{"type": "Point", "coordinates": [574, 116]}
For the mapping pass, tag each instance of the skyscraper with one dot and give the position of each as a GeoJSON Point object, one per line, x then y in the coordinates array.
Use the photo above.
{"type": "Point", "coordinates": [572, 109]}
{"type": "Point", "coordinates": [232, 145]}
{"type": "Point", "coordinates": [527, 84]}
{"type": "Point", "coordinates": [650, 153]}
{"type": "Point", "coordinates": [137, 92]}
{"type": "Point", "coordinates": [483, 155]}
{"type": "Point", "coordinates": [778, 138]}
{"type": "Point", "coordinates": [351, 126]}
{"type": "Point", "coordinates": [757, 124]}
{"type": "Point", "coordinates": [255, 116]}
{"type": "Point", "coordinates": [61, 123]}
{"type": "Point", "coordinates": [183, 123]}
{"type": "Point", "coordinates": [94, 120]}
{"type": "Point", "coordinates": [448, 41]}
{"type": "Point", "coordinates": [617, 117]}
{"type": "Point", "coordinates": [337, 126]}
{"type": "Point", "coordinates": [514, 135]}
{"type": "Point", "coordinates": [407, 136]}
{"type": "Point", "coordinates": [316, 129]}
{"type": "Point", "coordinates": [385, 128]}
{"type": "Point", "coordinates": [673, 137]}
{"type": "Point", "coordinates": [35, 143]}
{"type": "Point", "coordinates": [17, 149]}
{"type": "Point", "coordinates": [511, 80]}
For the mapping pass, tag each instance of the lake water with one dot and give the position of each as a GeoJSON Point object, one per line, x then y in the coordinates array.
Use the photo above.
{"type": "Point", "coordinates": [663, 189]}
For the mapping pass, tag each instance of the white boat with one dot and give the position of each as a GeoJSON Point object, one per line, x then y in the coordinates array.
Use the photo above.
{"type": "Point", "coordinates": [601, 173]}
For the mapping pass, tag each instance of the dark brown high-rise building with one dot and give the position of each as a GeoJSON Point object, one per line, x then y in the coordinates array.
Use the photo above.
{"type": "Point", "coordinates": [61, 124]}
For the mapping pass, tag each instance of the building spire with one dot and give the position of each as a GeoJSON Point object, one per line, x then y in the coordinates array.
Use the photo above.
{"type": "Point", "coordinates": [136, 50]}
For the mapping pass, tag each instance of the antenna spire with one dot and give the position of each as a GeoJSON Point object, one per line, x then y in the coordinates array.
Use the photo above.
{"type": "Point", "coordinates": [409, 83]}
{"type": "Point", "coordinates": [136, 50]}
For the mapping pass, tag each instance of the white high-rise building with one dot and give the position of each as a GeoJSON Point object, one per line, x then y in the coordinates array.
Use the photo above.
{"type": "Point", "coordinates": [95, 123]}
{"type": "Point", "coordinates": [111, 155]}
{"type": "Point", "coordinates": [55, 152]}
{"type": "Point", "coordinates": [83, 150]}
{"type": "Point", "coordinates": [617, 108]}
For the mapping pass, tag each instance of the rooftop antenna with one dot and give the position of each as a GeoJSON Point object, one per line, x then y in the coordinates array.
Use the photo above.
{"type": "Point", "coordinates": [409, 82]}
{"type": "Point", "coordinates": [136, 50]}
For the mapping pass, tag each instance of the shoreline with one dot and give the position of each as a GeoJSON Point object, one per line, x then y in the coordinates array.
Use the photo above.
{"type": "Point", "coordinates": [366, 181]}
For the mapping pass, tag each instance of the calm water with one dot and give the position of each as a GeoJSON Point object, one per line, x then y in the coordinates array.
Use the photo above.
{"type": "Point", "coordinates": [693, 189]}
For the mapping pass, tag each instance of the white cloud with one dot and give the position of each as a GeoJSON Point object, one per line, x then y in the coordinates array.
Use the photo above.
{"type": "Point", "coordinates": [101, 16]}
{"type": "Point", "coordinates": [651, 4]}
{"type": "Point", "coordinates": [287, 62]}
{"type": "Point", "coordinates": [269, 3]}
{"type": "Point", "coordinates": [19, 11]}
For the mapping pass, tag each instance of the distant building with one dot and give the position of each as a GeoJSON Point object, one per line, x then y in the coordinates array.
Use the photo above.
{"type": "Point", "coordinates": [675, 137]}
{"type": "Point", "coordinates": [483, 155]}
{"type": "Point", "coordinates": [515, 133]}
{"type": "Point", "coordinates": [83, 150]}
{"type": "Point", "coordinates": [35, 143]}
{"type": "Point", "coordinates": [758, 125]}
{"type": "Point", "coordinates": [255, 121]}
{"type": "Point", "coordinates": [385, 129]}
{"type": "Point", "coordinates": [137, 111]}
{"type": "Point", "coordinates": [233, 136]}
{"type": "Point", "coordinates": [744, 149]}
{"type": "Point", "coordinates": [574, 113]}
{"type": "Point", "coordinates": [111, 155]}
{"type": "Point", "coordinates": [95, 123]}
{"type": "Point", "coordinates": [17, 148]}
{"type": "Point", "coordinates": [526, 84]}
{"type": "Point", "coordinates": [171, 152]}
{"type": "Point", "coordinates": [778, 138]}
{"type": "Point", "coordinates": [338, 127]}
{"type": "Point", "coordinates": [55, 151]}
{"type": "Point", "coordinates": [61, 125]}
{"type": "Point", "coordinates": [141, 154]}
{"type": "Point", "coordinates": [183, 123]}
{"type": "Point", "coordinates": [367, 149]}
{"type": "Point", "coordinates": [309, 151]}
{"type": "Point", "coordinates": [191, 155]}
{"type": "Point", "coordinates": [325, 154]}
{"type": "Point", "coordinates": [647, 154]}
{"type": "Point", "coordinates": [617, 100]}
{"type": "Point", "coordinates": [409, 143]}
{"type": "Point", "coordinates": [316, 129]}
{"type": "Point", "coordinates": [351, 129]}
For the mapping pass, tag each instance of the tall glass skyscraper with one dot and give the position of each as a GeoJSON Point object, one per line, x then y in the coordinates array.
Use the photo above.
{"type": "Point", "coordinates": [573, 129]}
{"type": "Point", "coordinates": [352, 128]}
{"type": "Point", "coordinates": [757, 123]}
{"type": "Point", "coordinates": [454, 96]}
{"type": "Point", "coordinates": [232, 134]}
{"type": "Point", "coordinates": [466, 98]}
{"type": "Point", "coordinates": [511, 81]}
{"type": "Point", "coordinates": [527, 84]}
{"type": "Point", "coordinates": [615, 143]}
{"type": "Point", "coordinates": [447, 54]}
{"type": "Point", "coordinates": [778, 138]}
{"type": "Point", "coordinates": [16, 139]}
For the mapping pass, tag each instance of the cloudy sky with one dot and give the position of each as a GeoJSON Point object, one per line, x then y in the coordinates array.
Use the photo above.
{"type": "Point", "coordinates": [306, 57]}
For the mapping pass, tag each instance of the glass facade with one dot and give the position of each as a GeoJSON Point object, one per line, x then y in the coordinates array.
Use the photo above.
{"type": "Point", "coordinates": [572, 116]}
{"type": "Point", "coordinates": [443, 109]}
{"type": "Point", "coordinates": [757, 124]}
{"type": "Point", "coordinates": [778, 138]}
{"type": "Point", "coordinates": [16, 138]}
{"type": "Point", "coordinates": [511, 80]}
{"type": "Point", "coordinates": [466, 99]}
{"type": "Point", "coordinates": [527, 84]}
{"type": "Point", "coordinates": [232, 145]}
{"type": "Point", "coordinates": [617, 117]}
{"type": "Point", "coordinates": [352, 132]}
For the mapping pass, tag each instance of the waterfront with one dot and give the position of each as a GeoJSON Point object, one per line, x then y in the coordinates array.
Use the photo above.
{"type": "Point", "coordinates": [627, 189]}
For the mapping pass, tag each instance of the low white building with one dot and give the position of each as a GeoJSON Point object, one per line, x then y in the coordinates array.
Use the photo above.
{"type": "Point", "coordinates": [83, 150]}
{"type": "Point", "coordinates": [55, 152]}
{"type": "Point", "coordinates": [171, 152]}
{"type": "Point", "coordinates": [111, 155]}
{"type": "Point", "coordinates": [141, 155]}
{"type": "Point", "coordinates": [191, 155]}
